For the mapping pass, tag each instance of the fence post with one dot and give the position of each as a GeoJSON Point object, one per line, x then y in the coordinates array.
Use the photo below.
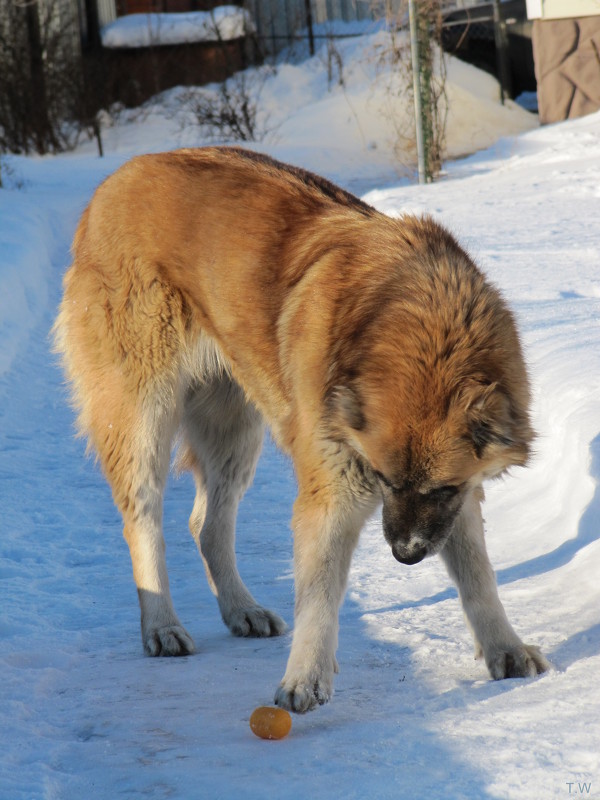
{"type": "Point", "coordinates": [501, 52]}
{"type": "Point", "coordinates": [309, 25]}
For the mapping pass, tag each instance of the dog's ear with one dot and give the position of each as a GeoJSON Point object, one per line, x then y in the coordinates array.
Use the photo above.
{"type": "Point", "coordinates": [344, 403]}
{"type": "Point", "coordinates": [493, 424]}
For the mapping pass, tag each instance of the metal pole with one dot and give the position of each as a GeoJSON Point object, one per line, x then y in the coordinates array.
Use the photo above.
{"type": "Point", "coordinates": [414, 49]}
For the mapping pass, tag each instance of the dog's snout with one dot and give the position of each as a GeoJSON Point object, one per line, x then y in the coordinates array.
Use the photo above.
{"type": "Point", "coordinates": [409, 558]}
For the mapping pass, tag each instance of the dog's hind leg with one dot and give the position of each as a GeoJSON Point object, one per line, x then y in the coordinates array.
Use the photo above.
{"type": "Point", "coordinates": [132, 435]}
{"type": "Point", "coordinates": [120, 330]}
{"type": "Point", "coordinates": [468, 564]}
{"type": "Point", "coordinates": [162, 633]}
{"type": "Point", "coordinates": [223, 436]}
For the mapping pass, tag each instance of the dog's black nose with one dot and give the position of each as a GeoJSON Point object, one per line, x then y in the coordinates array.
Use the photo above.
{"type": "Point", "coordinates": [414, 558]}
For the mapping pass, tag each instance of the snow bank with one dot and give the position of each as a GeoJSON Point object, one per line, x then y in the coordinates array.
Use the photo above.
{"type": "Point", "coordinates": [36, 225]}
{"type": "Point", "coordinates": [24, 271]}
{"type": "Point", "coordinates": [351, 114]}
{"type": "Point", "coordinates": [144, 30]}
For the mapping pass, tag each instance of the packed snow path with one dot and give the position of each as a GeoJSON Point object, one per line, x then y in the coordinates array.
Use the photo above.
{"type": "Point", "coordinates": [85, 714]}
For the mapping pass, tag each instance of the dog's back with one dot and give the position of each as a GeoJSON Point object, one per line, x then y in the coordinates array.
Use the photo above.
{"type": "Point", "coordinates": [182, 248]}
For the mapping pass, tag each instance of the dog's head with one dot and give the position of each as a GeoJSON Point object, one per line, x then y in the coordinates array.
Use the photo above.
{"type": "Point", "coordinates": [430, 387]}
{"type": "Point", "coordinates": [428, 451]}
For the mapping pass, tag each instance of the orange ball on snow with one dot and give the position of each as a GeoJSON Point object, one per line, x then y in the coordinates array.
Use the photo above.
{"type": "Point", "coordinates": [270, 723]}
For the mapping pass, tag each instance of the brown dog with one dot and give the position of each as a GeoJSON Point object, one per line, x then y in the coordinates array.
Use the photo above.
{"type": "Point", "coordinates": [214, 288]}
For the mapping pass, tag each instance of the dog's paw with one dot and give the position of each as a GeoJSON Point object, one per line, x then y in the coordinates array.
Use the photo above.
{"type": "Point", "coordinates": [254, 621]}
{"type": "Point", "coordinates": [170, 640]}
{"type": "Point", "coordinates": [521, 661]}
{"type": "Point", "coordinates": [302, 696]}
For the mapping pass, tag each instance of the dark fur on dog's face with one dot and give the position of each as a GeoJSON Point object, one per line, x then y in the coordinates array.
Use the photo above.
{"type": "Point", "coordinates": [416, 523]}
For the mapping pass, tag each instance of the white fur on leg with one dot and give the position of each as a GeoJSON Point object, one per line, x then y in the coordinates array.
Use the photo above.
{"type": "Point", "coordinates": [162, 632]}
{"type": "Point", "coordinates": [468, 564]}
{"type": "Point", "coordinates": [323, 544]}
{"type": "Point", "coordinates": [224, 434]}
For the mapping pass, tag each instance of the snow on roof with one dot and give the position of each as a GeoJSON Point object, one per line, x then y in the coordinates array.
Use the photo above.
{"type": "Point", "coordinates": [143, 30]}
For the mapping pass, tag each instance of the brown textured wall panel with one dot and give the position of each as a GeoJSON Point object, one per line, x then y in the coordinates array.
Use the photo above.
{"type": "Point", "coordinates": [567, 67]}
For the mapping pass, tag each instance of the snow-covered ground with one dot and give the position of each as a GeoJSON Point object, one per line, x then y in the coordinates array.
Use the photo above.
{"type": "Point", "coordinates": [86, 715]}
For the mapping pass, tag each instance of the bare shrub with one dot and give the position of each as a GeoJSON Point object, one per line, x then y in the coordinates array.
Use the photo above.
{"type": "Point", "coordinates": [9, 177]}
{"type": "Point", "coordinates": [229, 111]}
{"type": "Point", "coordinates": [334, 62]}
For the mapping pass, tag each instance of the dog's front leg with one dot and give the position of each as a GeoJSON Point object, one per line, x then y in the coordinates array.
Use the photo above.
{"type": "Point", "coordinates": [468, 564]}
{"type": "Point", "coordinates": [325, 535]}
